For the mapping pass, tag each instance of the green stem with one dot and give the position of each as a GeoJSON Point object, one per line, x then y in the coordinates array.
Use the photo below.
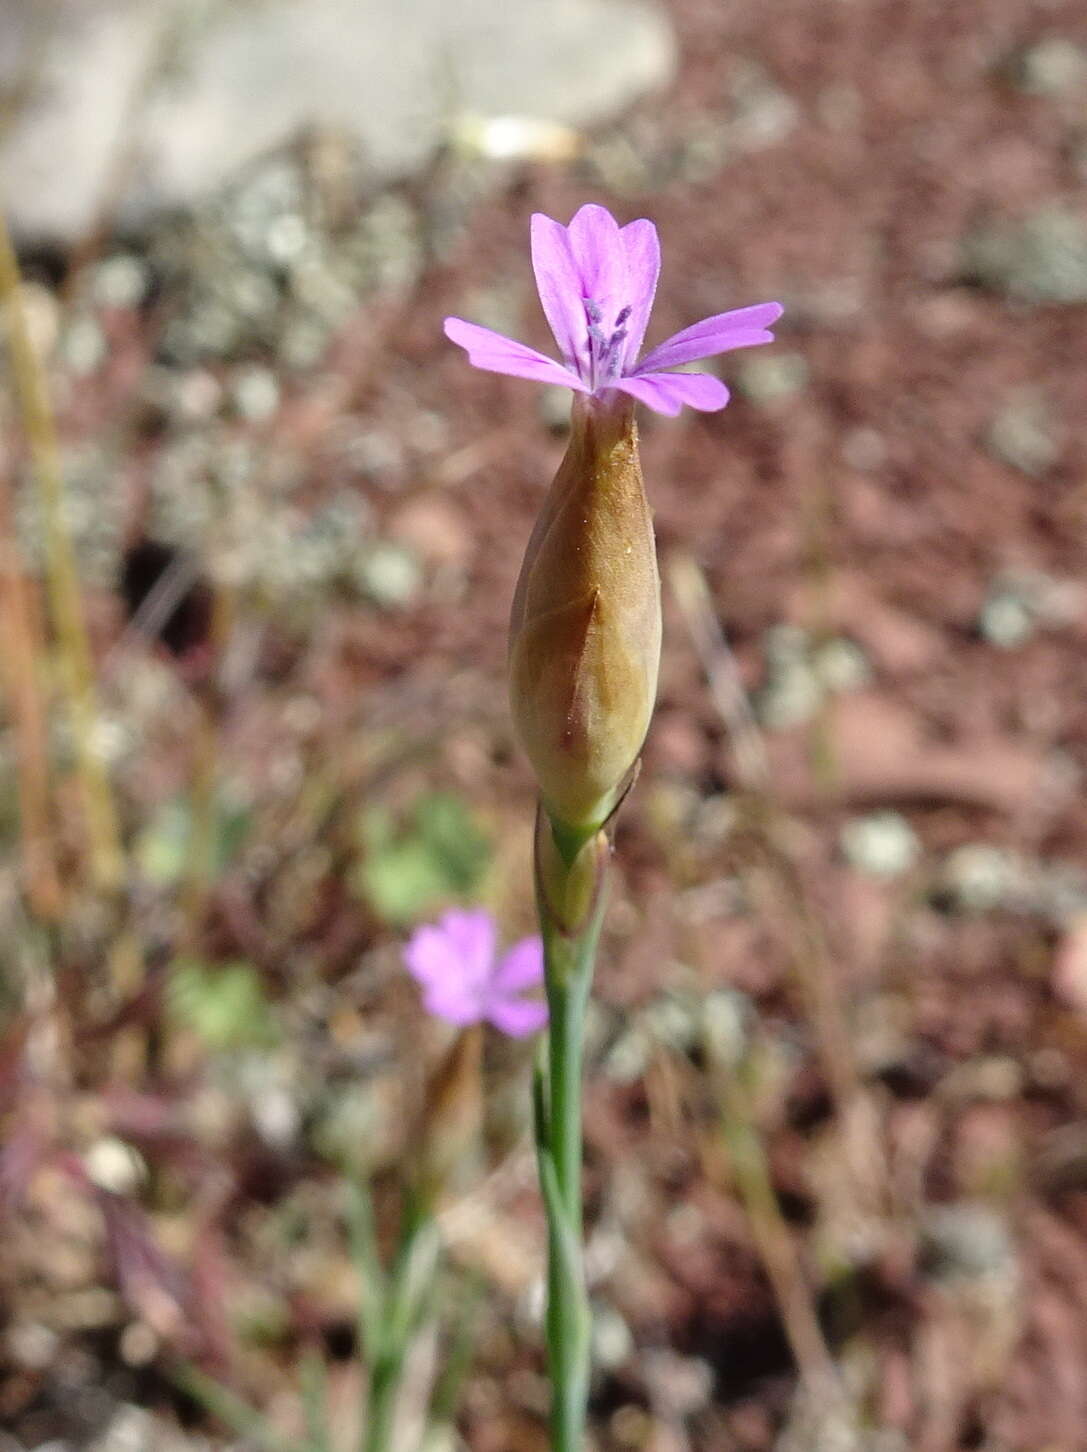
{"type": "Point", "coordinates": [409, 1290]}
{"type": "Point", "coordinates": [567, 1308]}
{"type": "Point", "coordinates": [568, 985]}
{"type": "Point", "coordinates": [569, 955]}
{"type": "Point", "coordinates": [381, 1406]}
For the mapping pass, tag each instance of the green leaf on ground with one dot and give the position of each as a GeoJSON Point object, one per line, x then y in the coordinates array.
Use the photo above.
{"type": "Point", "coordinates": [224, 1005]}
{"type": "Point", "coordinates": [440, 853]}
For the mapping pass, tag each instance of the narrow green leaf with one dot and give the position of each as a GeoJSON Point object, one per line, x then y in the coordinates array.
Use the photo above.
{"type": "Point", "coordinates": [569, 1250]}
{"type": "Point", "coordinates": [446, 1398]}
{"type": "Point", "coordinates": [373, 1284]}
{"type": "Point", "coordinates": [413, 1285]}
{"type": "Point", "coordinates": [233, 1411]}
{"type": "Point", "coordinates": [539, 1095]}
{"type": "Point", "coordinates": [313, 1374]}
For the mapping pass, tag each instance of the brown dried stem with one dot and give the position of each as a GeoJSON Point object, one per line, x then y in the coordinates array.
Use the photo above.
{"type": "Point", "coordinates": [776, 881]}
{"type": "Point", "coordinates": [21, 632]}
{"type": "Point", "coordinates": [62, 581]}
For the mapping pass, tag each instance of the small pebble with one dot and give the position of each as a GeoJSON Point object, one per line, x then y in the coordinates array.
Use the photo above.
{"type": "Point", "coordinates": [767, 379]}
{"type": "Point", "coordinates": [1006, 620]}
{"type": "Point", "coordinates": [1025, 435]}
{"type": "Point", "coordinates": [980, 877]}
{"type": "Point", "coordinates": [966, 1241]}
{"type": "Point", "coordinates": [1043, 260]}
{"type": "Point", "coordinates": [1054, 66]}
{"type": "Point", "coordinates": [673, 1021]}
{"type": "Point", "coordinates": [792, 693]}
{"type": "Point", "coordinates": [31, 1345]}
{"type": "Point", "coordinates": [114, 1165]}
{"type": "Point", "coordinates": [841, 665]}
{"type": "Point", "coordinates": [122, 281]}
{"type": "Point", "coordinates": [763, 115]}
{"type": "Point", "coordinates": [390, 575]}
{"type": "Point", "coordinates": [627, 1058]}
{"type": "Point", "coordinates": [198, 394]}
{"type": "Point", "coordinates": [84, 346]}
{"type": "Point", "coordinates": [726, 1017]}
{"type": "Point", "coordinates": [612, 1342]}
{"type": "Point", "coordinates": [255, 393]}
{"type": "Point", "coordinates": [882, 844]}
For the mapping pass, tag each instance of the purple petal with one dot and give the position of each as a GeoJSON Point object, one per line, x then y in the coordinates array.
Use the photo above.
{"type": "Point", "coordinates": [429, 956]}
{"type": "Point", "coordinates": [451, 1003]}
{"type": "Point", "coordinates": [470, 936]}
{"type": "Point", "coordinates": [497, 354]}
{"type": "Point", "coordinates": [740, 329]}
{"type": "Point", "coordinates": [517, 1017]}
{"type": "Point", "coordinates": [643, 258]}
{"type": "Point", "coordinates": [559, 285]}
{"type": "Point", "coordinates": [667, 392]}
{"type": "Point", "coordinates": [600, 257]}
{"type": "Point", "coordinates": [522, 967]}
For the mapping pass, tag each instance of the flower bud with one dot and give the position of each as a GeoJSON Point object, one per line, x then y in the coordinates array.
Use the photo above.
{"type": "Point", "coordinates": [585, 629]}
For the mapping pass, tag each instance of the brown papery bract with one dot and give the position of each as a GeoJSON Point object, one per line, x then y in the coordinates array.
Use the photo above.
{"type": "Point", "coordinates": [585, 629]}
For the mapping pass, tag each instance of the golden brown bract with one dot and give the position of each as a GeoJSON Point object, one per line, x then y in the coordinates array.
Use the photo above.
{"type": "Point", "coordinates": [585, 629]}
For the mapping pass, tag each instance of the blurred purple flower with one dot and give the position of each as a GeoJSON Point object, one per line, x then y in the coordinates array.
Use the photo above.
{"type": "Point", "coordinates": [464, 982]}
{"type": "Point", "coordinates": [596, 282]}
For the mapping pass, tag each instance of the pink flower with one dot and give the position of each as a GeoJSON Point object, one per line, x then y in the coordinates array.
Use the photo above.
{"type": "Point", "coordinates": [463, 981]}
{"type": "Point", "coordinates": [596, 282]}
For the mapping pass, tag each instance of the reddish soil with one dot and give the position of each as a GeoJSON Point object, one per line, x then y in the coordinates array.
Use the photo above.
{"type": "Point", "coordinates": [867, 504]}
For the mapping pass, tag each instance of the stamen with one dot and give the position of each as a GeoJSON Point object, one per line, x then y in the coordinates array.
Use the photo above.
{"type": "Point", "coordinates": [611, 354]}
{"type": "Point", "coordinates": [605, 351]}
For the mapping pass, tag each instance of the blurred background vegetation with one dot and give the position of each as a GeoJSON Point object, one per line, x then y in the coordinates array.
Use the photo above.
{"type": "Point", "coordinates": [259, 527]}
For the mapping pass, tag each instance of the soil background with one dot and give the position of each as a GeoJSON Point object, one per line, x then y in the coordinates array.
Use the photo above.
{"type": "Point", "coordinates": [856, 958]}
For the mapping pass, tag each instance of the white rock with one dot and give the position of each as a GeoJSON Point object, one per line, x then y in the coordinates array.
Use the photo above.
{"type": "Point", "coordinates": [79, 70]}
{"type": "Point", "coordinates": [252, 77]}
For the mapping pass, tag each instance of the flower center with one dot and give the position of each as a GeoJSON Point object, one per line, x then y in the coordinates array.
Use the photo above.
{"type": "Point", "coordinates": [605, 361]}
